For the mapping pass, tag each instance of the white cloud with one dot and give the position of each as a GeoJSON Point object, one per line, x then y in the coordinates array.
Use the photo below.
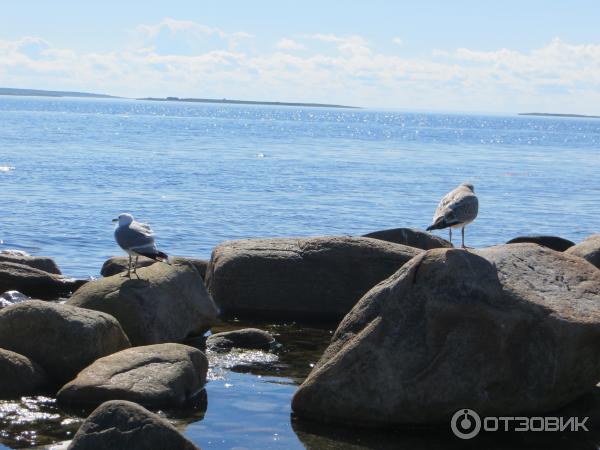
{"type": "Point", "coordinates": [339, 69]}
{"type": "Point", "coordinates": [398, 41]}
{"type": "Point", "coordinates": [289, 44]}
{"type": "Point", "coordinates": [186, 31]}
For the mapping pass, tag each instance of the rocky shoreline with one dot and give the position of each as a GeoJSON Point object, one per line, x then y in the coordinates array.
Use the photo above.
{"type": "Point", "coordinates": [424, 329]}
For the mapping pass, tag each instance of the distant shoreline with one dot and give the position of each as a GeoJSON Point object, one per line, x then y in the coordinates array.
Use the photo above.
{"type": "Point", "coordinates": [581, 116]}
{"type": "Point", "coordinates": [44, 93]}
{"type": "Point", "coordinates": [245, 102]}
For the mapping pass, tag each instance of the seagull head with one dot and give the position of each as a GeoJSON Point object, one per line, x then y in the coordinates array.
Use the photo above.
{"type": "Point", "coordinates": [124, 219]}
{"type": "Point", "coordinates": [469, 186]}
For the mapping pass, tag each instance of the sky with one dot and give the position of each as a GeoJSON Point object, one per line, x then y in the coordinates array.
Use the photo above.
{"type": "Point", "coordinates": [478, 56]}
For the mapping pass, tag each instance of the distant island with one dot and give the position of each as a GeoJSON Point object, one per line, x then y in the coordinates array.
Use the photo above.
{"type": "Point", "coordinates": [43, 93]}
{"type": "Point", "coordinates": [559, 115]}
{"type": "Point", "coordinates": [244, 102]}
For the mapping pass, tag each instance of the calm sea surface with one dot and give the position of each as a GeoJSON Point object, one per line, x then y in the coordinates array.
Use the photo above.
{"type": "Point", "coordinates": [200, 174]}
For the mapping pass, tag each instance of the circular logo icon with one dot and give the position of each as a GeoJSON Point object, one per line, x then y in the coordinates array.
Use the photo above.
{"type": "Point", "coordinates": [465, 424]}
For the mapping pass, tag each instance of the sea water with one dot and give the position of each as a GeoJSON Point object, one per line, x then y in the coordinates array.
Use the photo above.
{"type": "Point", "coordinates": [200, 174]}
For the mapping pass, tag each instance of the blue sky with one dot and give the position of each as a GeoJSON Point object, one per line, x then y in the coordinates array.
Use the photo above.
{"type": "Point", "coordinates": [434, 55]}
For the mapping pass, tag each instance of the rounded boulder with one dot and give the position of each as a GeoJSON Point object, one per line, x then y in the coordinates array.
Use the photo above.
{"type": "Point", "coordinates": [588, 249]}
{"type": "Point", "coordinates": [163, 303]}
{"type": "Point", "coordinates": [411, 237]}
{"type": "Point", "coordinates": [162, 375]}
{"type": "Point", "coordinates": [123, 425]}
{"type": "Point", "coordinates": [507, 330]}
{"type": "Point", "coordinates": [62, 339]}
{"type": "Point", "coordinates": [19, 375]}
{"type": "Point", "coordinates": [317, 279]}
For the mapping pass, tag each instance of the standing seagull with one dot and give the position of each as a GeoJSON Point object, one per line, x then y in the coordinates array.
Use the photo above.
{"type": "Point", "coordinates": [457, 209]}
{"type": "Point", "coordinates": [137, 239]}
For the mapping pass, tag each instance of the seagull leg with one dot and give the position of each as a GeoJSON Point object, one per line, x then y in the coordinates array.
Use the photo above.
{"type": "Point", "coordinates": [463, 237]}
{"type": "Point", "coordinates": [129, 268]}
{"type": "Point", "coordinates": [450, 229]}
{"type": "Point", "coordinates": [135, 265]}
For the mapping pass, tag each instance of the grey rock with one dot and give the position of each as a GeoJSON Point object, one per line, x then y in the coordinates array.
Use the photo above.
{"type": "Point", "coordinates": [37, 262]}
{"type": "Point", "coordinates": [35, 282]}
{"type": "Point", "coordinates": [588, 249]}
{"type": "Point", "coordinates": [506, 330]}
{"type": "Point", "coordinates": [411, 237]}
{"type": "Point", "coordinates": [553, 242]}
{"type": "Point", "coordinates": [19, 375]}
{"type": "Point", "coordinates": [123, 425]}
{"type": "Point", "coordinates": [300, 278]}
{"type": "Point", "coordinates": [246, 338]}
{"type": "Point", "coordinates": [165, 304]}
{"type": "Point", "coordinates": [161, 375]}
{"type": "Point", "coordinates": [62, 339]}
{"type": "Point", "coordinates": [118, 264]}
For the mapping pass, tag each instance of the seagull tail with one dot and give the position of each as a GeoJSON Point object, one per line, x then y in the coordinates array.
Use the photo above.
{"type": "Point", "coordinates": [438, 224]}
{"type": "Point", "coordinates": [157, 256]}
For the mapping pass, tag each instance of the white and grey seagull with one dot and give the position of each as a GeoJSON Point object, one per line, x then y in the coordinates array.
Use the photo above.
{"type": "Point", "coordinates": [457, 209]}
{"type": "Point", "coordinates": [137, 239]}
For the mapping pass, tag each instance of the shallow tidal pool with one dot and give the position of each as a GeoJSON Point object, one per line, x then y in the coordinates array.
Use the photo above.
{"type": "Point", "coordinates": [246, 405]}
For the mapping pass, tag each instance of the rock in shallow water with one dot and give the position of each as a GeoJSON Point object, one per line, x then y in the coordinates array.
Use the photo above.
{"type": "Point", "coordinates": [62, 339]}
{"type": "Point", "coordinates": [588, 249]}
{"type": "Point", "coordinates": [300, 278]}
{"type": "Point", "coordinates": [507, 330]}
{"type": "Point", "coordinates": [157, 376]}
{"type": "Point", "coordinates": [553, 242]}
{"type": "Point", "coordinates": [246, 338]}
{"type": "Point", "coordinates": [166, 304]}
{"type": "Point", "coordinates": [411, 237]}
{"type": "Point", "coordinates": [19, 375]}
{"type": "Point", "coordinates": [118, 264]}
{"type": "Point", "coordinates": [123, 425]}
{"type": "Point", "coordinates": [35, 282]}
{"type": "Point", "coordinates": [37, 262]}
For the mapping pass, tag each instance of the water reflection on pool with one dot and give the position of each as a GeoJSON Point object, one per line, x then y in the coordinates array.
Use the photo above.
{"type": "Point", "coordinates": [246, 405]}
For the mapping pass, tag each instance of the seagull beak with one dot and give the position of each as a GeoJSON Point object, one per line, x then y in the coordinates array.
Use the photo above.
{"type": "Point", "coordinates": [115, 220]}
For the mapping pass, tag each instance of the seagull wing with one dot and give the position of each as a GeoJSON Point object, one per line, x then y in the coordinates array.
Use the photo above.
{"type": "Point", "coordinates": [457, 206]}
{"type": "Point", "coordinates": [135, 237]}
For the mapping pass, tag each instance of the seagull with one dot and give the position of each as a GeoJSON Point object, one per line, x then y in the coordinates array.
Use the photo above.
{"type": "Point", "coordinates": [457, 209]}
{"type": "Point", "coordinates": [137, 239]}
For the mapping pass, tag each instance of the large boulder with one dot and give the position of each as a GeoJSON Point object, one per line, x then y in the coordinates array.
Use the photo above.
{"type": "Point", "coordinates": [164, 303]}
{"type": "Point", "coordinates": [118, 264]}
{"type": "Point", "coordinates": [123, 425]}
{"type": "Point", "coordinates": [19, 375]}
{"type": "Point", "coordinates": [553, 242]}
{"type": "Point", "coordinates": [35, 282]}
{"type": "Point", "coordinates": [411, 237]}
{"type": "Point", "coordinates": [62, 339]}
{"type": "Point", "coordinates": [300, 278]}
{"type": "Point", "coordinates": [589, 249]}
{"type": "Point", "coordinates": [246, 338]}
{"type": "Point", "coordinates": [37, 262]}
{"type": "Point", "coordinates": [507, 330]}
{"type": "Point", "coordinates": [157, 376]}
